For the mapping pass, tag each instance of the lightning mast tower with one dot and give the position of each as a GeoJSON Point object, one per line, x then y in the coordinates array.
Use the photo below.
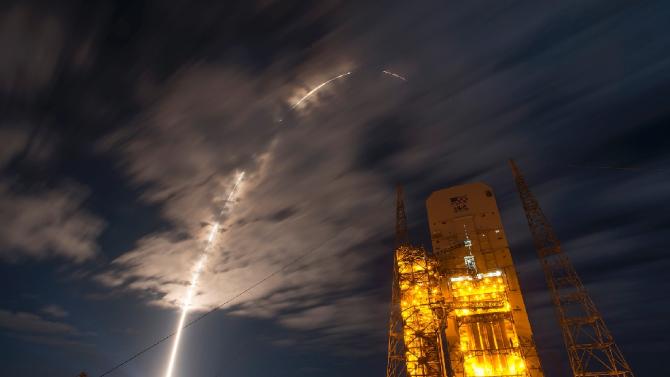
{"type": "Point", "coordinates": [591, 347]}
{"type": "Point", "coordinates": [395, 366]}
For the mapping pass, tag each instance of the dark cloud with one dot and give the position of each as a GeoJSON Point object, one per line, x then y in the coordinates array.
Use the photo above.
{"type": "Point", "coordinates": [283, 214]}
{"type": "Point", "coordinates": [31, 43]}
{"type": "Point", "coordinates": [33, 329]}
{"type": "Point", "coordinates": [55, 311]}
{"type": "Point", "coordinates": [41, 221]}
{"type": "Point", "coordinates": [382, 139]}
{"type": "Point", "coordinates": [47, 223]}
{"type": "Point", "coordinates": [21, 322]}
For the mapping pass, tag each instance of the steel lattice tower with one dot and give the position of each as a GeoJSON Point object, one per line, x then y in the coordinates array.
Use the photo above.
{"type": "Point", "coordinates": [395, 366]}
{"type": "Point", "coordinates": [401, 233]}
{"type": "Point", "coordinates": [590, 345]}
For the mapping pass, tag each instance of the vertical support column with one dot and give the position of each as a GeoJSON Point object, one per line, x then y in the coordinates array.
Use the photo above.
{"type": "Point", "coordinates": [591, 348]}
{"type": "Point", "coordinates": [395, 364]}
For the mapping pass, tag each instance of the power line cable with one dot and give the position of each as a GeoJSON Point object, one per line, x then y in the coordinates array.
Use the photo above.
{"type": "Point", "coordinates": [623, 168]}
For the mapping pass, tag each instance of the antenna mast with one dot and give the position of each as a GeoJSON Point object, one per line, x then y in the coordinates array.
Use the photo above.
{"type": "Point", "coordinates": [395, 366]}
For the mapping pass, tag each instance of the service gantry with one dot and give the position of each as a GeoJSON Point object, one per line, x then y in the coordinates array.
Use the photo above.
{"type": "Point", "coordinates": [458, 312]}
{"type": "Point", "coordinates": [415, 343]}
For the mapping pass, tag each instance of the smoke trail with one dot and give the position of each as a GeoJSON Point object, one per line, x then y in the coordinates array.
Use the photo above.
{"type": "Point", "coordinates": [197, 270]}
{"type": "Point", "coordinates": [394, 75]}
{"type": "Point", "coordinates": [214, 231]}
{"type": "Point", "coordinates": [317, 89]}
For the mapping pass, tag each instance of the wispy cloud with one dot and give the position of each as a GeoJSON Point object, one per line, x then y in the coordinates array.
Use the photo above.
{"type": "Point", "coordinates": [23, 322]}
{"type": "Point", "coordinates": [35, 40]}
{"type": "Point", "coordinates": [33, 328]}
{"type": "Point", "coordinates": [299, 198]}
{"type": "Point", "coordinates": [55, 311]}
{"type": "Point", "coordinates": [46, 224]}
{"type": "Point", "coordinates": [43, 222]}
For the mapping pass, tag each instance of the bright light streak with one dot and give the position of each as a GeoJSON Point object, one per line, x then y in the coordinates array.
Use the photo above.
{"type": "Point", "coordinates": [197, 270]}
{"type": "Point", "coordinates": [395, 75]}
{"type": "Point", "coordinates": [496, 273]}
{"type": "Point", "coordinates": [317, 89]}
{"type": "Point", "coordinates": [212, 233]}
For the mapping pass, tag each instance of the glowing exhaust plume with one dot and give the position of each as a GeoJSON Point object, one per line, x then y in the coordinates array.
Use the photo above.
{"type": "Point", "coordinates": [316, 89]}
{"type": "Point", "coordinates": [395, 75]}
{"type": "Point", "coordinates": [197, 270]}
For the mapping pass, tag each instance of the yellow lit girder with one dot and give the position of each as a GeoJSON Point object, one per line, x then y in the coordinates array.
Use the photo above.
{"type": "Point", "coordinates": [487, 335]}
{"type": "Point", "coordinates": [420, 302]}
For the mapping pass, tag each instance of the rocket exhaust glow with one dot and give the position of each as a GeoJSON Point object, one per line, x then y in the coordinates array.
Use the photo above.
{"type": "Point", "coordinates": [316, 89]}
{"type": "Point", "coordinates": [197, 270]}
{"type": "Point", "coordinates": [394, 75]}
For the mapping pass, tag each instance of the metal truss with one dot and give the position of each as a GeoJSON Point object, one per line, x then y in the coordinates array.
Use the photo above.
{"type": "Point", "coordinates": [590, 345]}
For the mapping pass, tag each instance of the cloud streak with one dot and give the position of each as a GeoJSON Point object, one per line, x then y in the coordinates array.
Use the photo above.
{"type": "Point", "coordinates": [23, 322]}
{"type": "Point", "coordinates": [42, 222]}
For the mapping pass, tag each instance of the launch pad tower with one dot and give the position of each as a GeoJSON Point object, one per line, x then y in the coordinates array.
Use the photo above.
{"type": "Point", "coordinates": [460, 310]}
{"type": "Point", "coordinates": [416, 326]}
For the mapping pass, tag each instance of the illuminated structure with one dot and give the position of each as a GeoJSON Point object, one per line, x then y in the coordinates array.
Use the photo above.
{"type": "Point", "coordinates": [487, 328]}
{"type": "Point", "coordinates": [591, 347]}
{"type": "Point", "coordinates": [459, 312]}
{"type": "Point", "coordinates": [395, 366]}
{"type": "Point", "coordinates": [488, 342]}
{"type": "Point", "coordinates": [415, 341]}
{"type": "Point", "coordinates": [421, 306]}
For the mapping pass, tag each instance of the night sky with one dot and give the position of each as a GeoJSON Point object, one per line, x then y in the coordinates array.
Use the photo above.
{"type": "Point", "coordinates": [124, 124]}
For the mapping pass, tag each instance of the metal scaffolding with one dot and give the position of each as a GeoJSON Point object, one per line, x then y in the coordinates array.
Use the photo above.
{"type": "Point", "coordinates": [395, 366]}
{"type": "Point", "coordinates": [421, 304]}
{"type": "Point", "coordinates": [487, 336]}
{"type": "Point", "coordinates": [590, 345]}
{"type": "Point", "coordinates": [414, 346]}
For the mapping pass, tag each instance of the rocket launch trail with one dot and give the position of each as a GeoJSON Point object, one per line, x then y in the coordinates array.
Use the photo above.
{"type": "Point", "coordinates": [212, 239]}
{"type": "Point", "coordinates": [205, 253]}
{"type": "Point", "coordinates": [316, 89]}
{"type": "Point", "coordinates": [197, 270]}
{"type": "Point", "coordinates": [394, 75]}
